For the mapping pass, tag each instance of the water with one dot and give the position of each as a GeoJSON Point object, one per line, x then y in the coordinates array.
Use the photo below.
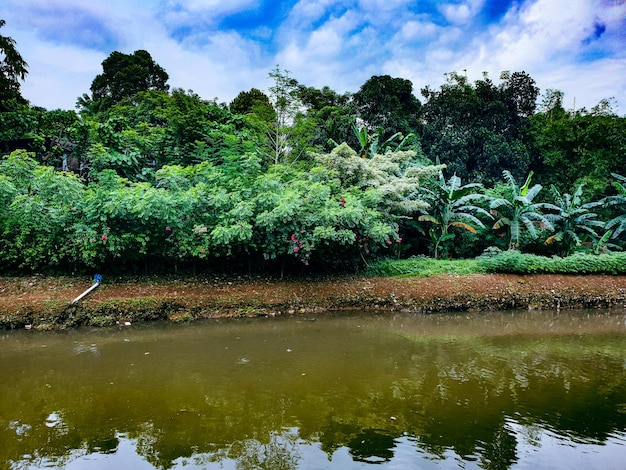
{"type": "Point", "coordinates": [339, 391]}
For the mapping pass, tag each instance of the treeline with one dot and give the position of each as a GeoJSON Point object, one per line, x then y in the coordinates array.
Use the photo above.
{"type": "Point", "coordinates": [148, 179]}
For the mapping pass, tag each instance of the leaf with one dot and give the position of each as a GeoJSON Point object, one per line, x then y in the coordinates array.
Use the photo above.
{"type": "Point", "coordinates": [464, 226]}
{"type": "Point", "coordinates": [428, 218]}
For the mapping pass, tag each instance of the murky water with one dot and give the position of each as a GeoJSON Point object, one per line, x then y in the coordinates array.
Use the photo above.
{"type": "Point", "coordinates": [338, 391]}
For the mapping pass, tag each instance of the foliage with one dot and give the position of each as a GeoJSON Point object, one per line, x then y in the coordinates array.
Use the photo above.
{"type": "Point", "coordinates": [371, 143]}
{"type": "Point", "coordinates": [39, 205]}
{"type": "Point", "coordinates": [13, 68]}
{"type": "Point", "coordinates": [479, 129]}
{"type": "Point", "coordinates": [423, 267]}
{"type": "Point", "coordinates": [451, 207]}
{"type": "Point", "coordinates": [388, 104]}
{"type": "Point", "coordinates": [574, 222]}
{"type": "Point", "coordinates": [283, 131]}
{"type": "Point", "coordinates": [519, 211]}
{"type": "Point", "coordinates": [618, 223]}
{"type": "Point", "coordinates": [122, 77]}
{"type": "Point", "coordinates": [512, 261]}
{"type": "Point", "coordinates": [395, 175]}
{"type": "Point", "coordinates": [252, 101]}
{"type": "Point", "coordinates": [205, 212]}
{"type": "Point", "coordinates": [153, 179]}
{"type": "Point", "coordinates": [579, 146]}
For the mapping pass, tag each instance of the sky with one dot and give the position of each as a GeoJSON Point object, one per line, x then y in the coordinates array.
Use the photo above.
{"type": "Point", "coordinates": [218, 48]}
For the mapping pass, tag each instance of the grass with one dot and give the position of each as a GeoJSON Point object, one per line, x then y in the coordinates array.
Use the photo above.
{"type": "Point", "coordinates": [423, 267]}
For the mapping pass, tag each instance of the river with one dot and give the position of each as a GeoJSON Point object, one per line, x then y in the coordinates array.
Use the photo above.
{"type": "Point", "coordinates": [340, 390]}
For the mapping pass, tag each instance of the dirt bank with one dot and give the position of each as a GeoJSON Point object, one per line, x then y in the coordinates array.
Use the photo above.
{"type": "Point", "coordinates": [42, 302]}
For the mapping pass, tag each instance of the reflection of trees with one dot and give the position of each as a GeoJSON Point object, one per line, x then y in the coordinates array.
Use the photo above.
{"type": "Point", "coordinates": [280, 452]}
{"type": "Point", "coordinates": [372, 445]}
{"type": "Point", "coordinates": [478, 398]}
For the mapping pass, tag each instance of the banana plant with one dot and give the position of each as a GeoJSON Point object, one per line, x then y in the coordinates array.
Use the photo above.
{"type": "Point", "coordinates": [618, 223]}
{"type": "Point", "coordinates": [519, 211]}
{"type": "Point", "coordinates": [574, 221]}
{"type": "Point", "coordinates": [451, 207]}
{"type": "Point", "coordinates": [371, 145]}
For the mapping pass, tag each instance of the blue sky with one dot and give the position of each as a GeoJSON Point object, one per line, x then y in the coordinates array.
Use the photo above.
{"type": "Point", "coordinates": [218, 48]}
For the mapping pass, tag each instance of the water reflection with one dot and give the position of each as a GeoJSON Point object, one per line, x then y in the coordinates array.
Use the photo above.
{"type": "Point", "coordinates": [495, 390]}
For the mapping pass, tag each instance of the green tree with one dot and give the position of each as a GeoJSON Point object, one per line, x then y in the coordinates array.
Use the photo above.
{"type": "Point", "coordinates": [253, 101]}
{"type": "Point", "coordinates": [333, 116]}
{"type": "Point", "coordinates": [123, 76]}
{"type": "Point", "coordinates": [39, 209]}
{"type": "Point", "coordinates": [388, 103]}
{"type": "Point", "coordinates": [13, 69]}
{"type": "Point", "coordinates": [573, 222]}
{"type": "Point", "coordinates": [519, 211]}
{"type": "Point", "coordinates": [452, 206]}
{"type": "Point", "coordinates": [316, 99]}
{"type": "Point", "coordinates": [284, 134]}
{"type": "Point", "coordinates": [574, 147]}
{"type": "Point", "coordinates": [478, 129]}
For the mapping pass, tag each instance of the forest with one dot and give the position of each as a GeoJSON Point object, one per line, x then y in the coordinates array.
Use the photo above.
{"type": "Point", "coordinates": [141, 178]}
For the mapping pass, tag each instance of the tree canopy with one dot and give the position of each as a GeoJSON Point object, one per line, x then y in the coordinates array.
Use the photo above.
{"type": "Point", "coordinates": [123, 76]}
{"type": "Point", "coordinates": [13, 69]}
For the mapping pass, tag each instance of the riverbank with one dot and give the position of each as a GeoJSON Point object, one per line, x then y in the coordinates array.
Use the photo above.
{"type": "Point", "coordinates": [44, 302]}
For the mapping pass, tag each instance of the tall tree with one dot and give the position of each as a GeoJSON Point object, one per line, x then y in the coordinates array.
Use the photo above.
{"type": "Point", "coordinates": [123, 76]}
{"type": "Point", "coordinates": [13, 68]}
{"type": "Point", "coordinates": [578, 146]}
{"type": "Point", "coordinates": [289, 131]}
{"type": "Point", "coordinates": [388, 103]}
{"type": "Point", "coordinates": [478, 129]}
{"type": "Point", "coordinates": [252, 101]}
{"type": "Point", "coordinates": [333, 115]}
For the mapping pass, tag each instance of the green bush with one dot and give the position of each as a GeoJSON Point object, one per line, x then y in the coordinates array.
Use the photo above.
{"type": "Point", "coordinates": [513, 261]}
{"type": "Point", "coordinates": [422, 266]}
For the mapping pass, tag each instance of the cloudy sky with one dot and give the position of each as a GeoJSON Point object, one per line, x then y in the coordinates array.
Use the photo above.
{"type": "Point", "coordinates": [218, 48]}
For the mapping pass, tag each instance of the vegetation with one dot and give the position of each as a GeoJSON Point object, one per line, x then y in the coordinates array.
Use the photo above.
{"type": "Point", "coordinates": [424, 267]}
{"type": "Point", "coordinates": [302, 180]}
{"type": "Point", "coordinates": [513, 261]}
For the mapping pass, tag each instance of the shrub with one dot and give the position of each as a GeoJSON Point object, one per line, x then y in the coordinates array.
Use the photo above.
{"type": "Point", "coordinates": [422, 266]}
{"type": "Point", "coordinates": [513, 261]}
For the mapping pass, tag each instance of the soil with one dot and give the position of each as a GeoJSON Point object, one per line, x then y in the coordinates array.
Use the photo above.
{"type": "Point", "coordinates": [43, 302]}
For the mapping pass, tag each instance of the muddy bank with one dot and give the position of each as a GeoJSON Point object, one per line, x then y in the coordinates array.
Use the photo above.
{"type": "Point", "coordinates": [43, 303]}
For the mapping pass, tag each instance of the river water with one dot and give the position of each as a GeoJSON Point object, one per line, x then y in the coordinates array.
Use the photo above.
{"type": "Point", "coordinates": [342, 390]}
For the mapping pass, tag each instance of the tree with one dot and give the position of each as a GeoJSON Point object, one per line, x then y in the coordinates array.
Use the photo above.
{"type": "Point", "coordinates": [124, 75]}
{"type": "Point", "coordinates": [519, 211]}
{"type": "Point", "coordinates": [252, 101]}
{"type": "Point", "coordinates": [13, 68]}
{"type": "Point", "coordinates": [287, 134]}
{"type": "Point", "coordinates": [388, 103]}
{"type": "Point", "coordinates": [581, 146]}
{"type": "Point", "coordinates": [315, 99]}
{"type": "Point", "coordinates": [478, 129]}
{"type": "Point", "coordinates": [573, 222]}
{"type": "Point", "coordinates": [451, 207]}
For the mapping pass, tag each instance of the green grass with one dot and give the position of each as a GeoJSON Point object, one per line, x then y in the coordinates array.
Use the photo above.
{"type": "Point", "coordinates": [503, 262]}
{"type": "Point", "coordinates": [423, 267]}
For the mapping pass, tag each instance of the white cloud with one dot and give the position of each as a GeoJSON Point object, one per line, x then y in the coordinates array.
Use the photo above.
{"type": "Point", "coordinates": [415, 30]}
{"type": "Point", "coordinates": [578, 47]}
{"type": "Point", "coordinates": [461, 13]}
